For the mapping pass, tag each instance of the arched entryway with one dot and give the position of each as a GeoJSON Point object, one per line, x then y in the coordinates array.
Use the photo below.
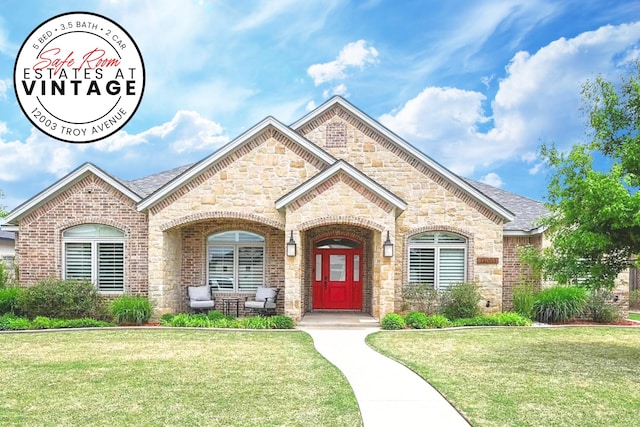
{"type": "Point", "coordinates": [337, 274]}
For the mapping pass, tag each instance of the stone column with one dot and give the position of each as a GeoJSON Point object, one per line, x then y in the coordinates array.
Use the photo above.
{"type": "Point", "coordinates": [293, 277]}
{"type": "Point", "coordinates": [384, 274]}
{"type": "Point", "coordinates": [165, 259]}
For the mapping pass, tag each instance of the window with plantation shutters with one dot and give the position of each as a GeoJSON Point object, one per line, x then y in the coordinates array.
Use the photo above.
{"type": "Point", "coordinates": [95, 252]}
{"type": "Point", "coordinates": [110, 276]}
{"type": "Point", "coordinates": [78, 261]}
{"type": "Point", "coordinates": [235, 261]}
{"type": "Point", "coordinates": [437, 259]}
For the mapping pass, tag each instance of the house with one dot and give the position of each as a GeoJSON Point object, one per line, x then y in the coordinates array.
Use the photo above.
{"type": "Point", "coordinates": [335, 209]}
{"type": "Point", "coordinates": [7, 244]}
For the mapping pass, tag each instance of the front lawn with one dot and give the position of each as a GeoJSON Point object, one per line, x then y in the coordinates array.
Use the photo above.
{"type": "Point", "coordinates": [634, 316]}
{"type": "Point", "coordinates": [575, 376]}
{"type": "Point", "coordinates": [170, 377]}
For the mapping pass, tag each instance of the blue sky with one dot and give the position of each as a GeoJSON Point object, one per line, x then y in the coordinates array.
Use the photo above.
{"type": "Point", "coordinates": [476, 85]}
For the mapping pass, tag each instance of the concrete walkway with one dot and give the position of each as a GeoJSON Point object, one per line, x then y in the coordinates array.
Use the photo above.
{"type": "Point", "coordinates": [388, 393]}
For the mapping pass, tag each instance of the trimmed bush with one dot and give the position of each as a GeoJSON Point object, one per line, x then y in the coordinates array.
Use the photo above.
{"type": "Point", "coordinates": [437, 321]}
{"type": "Point", "coordinates": [128, 309]}
{"type": "Point", "coordinates": [460, 301]}
{"type": "Point", "coordinates": [9, 299]}
{"type": "Point", "coordinates": [416, 320]}
{"type": "Point", "coordinates": [560, 304]}
{"type": "Point", "coordinates": [393, 321]}
{"type": "Point", "coordinates": [496, 319]}
{"type": "Point", "coordinates": [67, 299]}
{"type": "Point", "coordinates": [524, 295]}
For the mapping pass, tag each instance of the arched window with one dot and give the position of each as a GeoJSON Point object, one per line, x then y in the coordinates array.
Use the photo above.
{"type": "Point", "coordinates": [95, 252]}
{"type": "Point", "coordinates": [438, 259]}
{"type": "Point", "coordinates": [235, 261]}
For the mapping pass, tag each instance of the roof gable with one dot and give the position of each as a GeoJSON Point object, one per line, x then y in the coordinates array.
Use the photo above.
{"type": "Point", "coordinates": [62, 185]}
{"type": "Point", "coordinates": [375, 130]}
{"type": "Point", "coordinates": [233, 146]}
{"type": "Point", "coordinates": [341, 166]}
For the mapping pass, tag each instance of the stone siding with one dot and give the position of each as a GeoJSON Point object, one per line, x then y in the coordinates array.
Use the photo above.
{"type": "Point", "coordinates": [241, 187]}
{"type": "Point", "coordinates": [433, 202]}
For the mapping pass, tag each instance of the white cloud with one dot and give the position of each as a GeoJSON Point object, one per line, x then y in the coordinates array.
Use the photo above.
{"type": "Point", "coordinates": [341, 90]}
{"type": "Point", "coordinates": [538, 100]}
{"type": "Point", "coordinates": [38, 153]}
{"type": "Point", "coordinates": [310, 106]}
{"type": "Point", "coordinates": [353, 55]}
{"type": "Point", "coordinates": [186, 132]}
{"type": "Point", "coordinates": [492, 179]}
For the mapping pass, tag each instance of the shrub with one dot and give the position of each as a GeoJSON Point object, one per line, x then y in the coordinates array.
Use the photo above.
{"type": "Point", "coordinates": [166, 318]}
{"type": "Point", "coordinates": [524, 295]}
{"type": "Point", "coordinates": [416, 320]}
{"type": "Point", "coordinates": [17, 324]}
{"type": "Point", "coordinates": [421, 298]}
{"type": "Point", "coordinates": [69, 299]}
{"type": "Point", "coordinates": [599, 309]}
{"type": "Point", "coordinates": [215, 315]}
{"type": "Point", "coordinates": [496, 319]}
{"type": "Point", "coordinates": [9, 299]}
{"type": "Point", "coordinates": [437, 321]}
{"type": "Point", "coordinates": [511, 319]}
{"type": "Point", "coordinates": [634, 299]}
{"type": "Point", "coordinates": [460, 301]}
{"type": "Point", "coordinates": [560, 303]}
{"type": "Point", "coordinates": [393, 321]}
{"type": "Point", "coordinates": [282, 322]}
{"type": "Point", "coordinates": [129, 309]}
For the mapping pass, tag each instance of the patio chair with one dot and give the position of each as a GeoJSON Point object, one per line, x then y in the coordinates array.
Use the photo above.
{"type": "Point", "coordinates": [200, 298]}
{"type": "Point", "coordinates": [264, 302]}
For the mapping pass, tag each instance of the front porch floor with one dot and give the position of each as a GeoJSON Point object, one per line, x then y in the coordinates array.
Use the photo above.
{"type": "Point", "coordinates": [339, 319]}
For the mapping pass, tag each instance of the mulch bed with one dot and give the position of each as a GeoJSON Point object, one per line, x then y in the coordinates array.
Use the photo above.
{"type": "Point", "coordinates": [587, 323]}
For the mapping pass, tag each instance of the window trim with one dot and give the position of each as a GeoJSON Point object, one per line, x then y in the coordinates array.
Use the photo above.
{"type": "Point", "coordinates": [436, 246]}
{"type": "Point", "coordinates": [95, 242]}
{"type": "Point", "coordinates": [237, 244]}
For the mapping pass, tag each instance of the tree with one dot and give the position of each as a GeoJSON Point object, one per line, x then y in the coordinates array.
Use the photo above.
{"type": "Point", "coordinates": [595, 212]}
{"type": "Point", "coordinates": [3, 211]}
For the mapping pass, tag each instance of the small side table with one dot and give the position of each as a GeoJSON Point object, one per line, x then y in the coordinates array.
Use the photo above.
{"type": "Point", "coordinates": [227, 305]}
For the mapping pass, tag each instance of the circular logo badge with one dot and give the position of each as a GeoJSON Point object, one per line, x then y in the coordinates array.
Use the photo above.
{"type": "Point", "coordinates": [79, 77]}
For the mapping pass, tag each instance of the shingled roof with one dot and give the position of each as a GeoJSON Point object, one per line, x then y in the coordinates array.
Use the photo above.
{"type": "Point", "coordinates": [150, 184]}
{"type": "Point", "coordinates": [527, 212]}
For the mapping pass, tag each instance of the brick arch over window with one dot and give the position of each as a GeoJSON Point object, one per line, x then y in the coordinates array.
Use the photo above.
{"type": "Point", "coordinates": [341, 219]}
{"type": "Point", "coordinates": [221, 214]}
{"type": "Point", "coordinates": [194, 243]}
{"type": "Point", "coordinates": [434, 228]}
{"type": "Point", "coordinates": [82, 221]}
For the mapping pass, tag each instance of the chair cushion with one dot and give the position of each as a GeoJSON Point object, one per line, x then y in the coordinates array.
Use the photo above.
{"type": "Point", "coordinates": [201, 304]}
{"type": "Point", "coordinates": [199, 293]}
{"type": "Point", "coordinates": [264, 293]}
{"type": "Point", "coordinates": [259, 304]}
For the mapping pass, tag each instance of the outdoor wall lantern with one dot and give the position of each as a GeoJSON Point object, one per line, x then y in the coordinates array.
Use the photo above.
{"type": "Point", "coordinates": [488, 304]}
{"type": "Point", "coordinates": [291, 246]}
{"type": "Point", "coordinates": [616, 298]}
{"type": "Point", "coordinates": [387, 247]}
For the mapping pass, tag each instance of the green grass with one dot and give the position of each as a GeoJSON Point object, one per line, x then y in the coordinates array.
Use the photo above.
{"type": "Point", "coordinates": [531, 376]}
{"type": "Point", "coordinates": [170, 377]}
{"type": "Point", "coordinates": [634, 316]}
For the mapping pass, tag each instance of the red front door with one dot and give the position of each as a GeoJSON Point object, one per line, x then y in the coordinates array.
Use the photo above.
{"type": "Point", "coordinates": [337, 279]}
